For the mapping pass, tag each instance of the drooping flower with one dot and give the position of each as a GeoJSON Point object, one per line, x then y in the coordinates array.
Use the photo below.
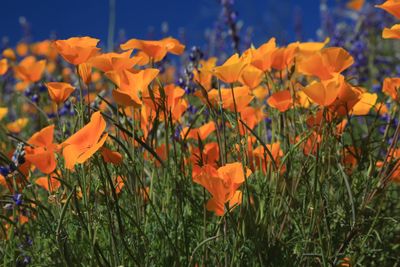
{"type": "Point", "coordinates": [84, 143]}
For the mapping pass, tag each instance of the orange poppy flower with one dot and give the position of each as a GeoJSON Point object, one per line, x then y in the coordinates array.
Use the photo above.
{"type": "Point", "coordinates": [391, 87]}
{"type": "Point", "coordinates": [41, 154]}
{"type": "Point", "coordinates": [59, 91]}
{"type": "Point", "coordinates": [251, 116]}
{"type": "Point", "coordinates": [251, 76]}
{"type": "Point", "coordinates": [232, 69]}
{"type": "Point", "coordinates": [77, 50]}
{"type": "Point", "coordinates": [282, 100]}
{"type": "Point", "coordinates": [3, 66]}
{"type": "Point", "coordinates": [9, 54]}
{"type": "Point", "coordinates": [50, 184]}
{"type": "Point", "coordinates": [119, 184]}
{"type": "Point", "coordinates": [114, 61]}
{"type": "Point", "coordinates": [325, 64]}
{"type": "Point", "coordinates": [242, 98]}
{"type": "Point", "coordinates": [3, 112]}
{"type": "Point", "coordinates": [356, 5]}
{"type": "Point", "coordinates": [222, 184]}
{"type": "Point", "coordinates": [156, 50]}
{"type": "Point", "coordinates": [110, 156]}
{"type": "Point", "coordinates": [203, 131]}
{"type": "Point", "coordinates": [262, 56]}
{"type": "Point", "coordinates": [18, 125]}
{"type": "Point", "coordinates": [392, 33]}
{"type": "Point", "coordinates": [84, 143]}
{"type": "Point", "coordinates": [85, 72]}
{"type": "Point", "coordinates": [129, 85]}
{"type": "Point", "coordinates": [323, 93]}
{"type": "Point", "coordinates": [283, 58]}
{"type": "Point", "coordinates": [204, 74]}
{"type": "Point", "coordinates": [30, 70]}
{"type": "Point", "coordinates": [309, 48]}
{"type": "Point", "coordinates": [209, 155]}
{"type": "Point", "coordinates": [262, 160]}
{"type": "Point", "coordinates": [392, 7]}
{"type": "Point", "coordinates": [365, 103]}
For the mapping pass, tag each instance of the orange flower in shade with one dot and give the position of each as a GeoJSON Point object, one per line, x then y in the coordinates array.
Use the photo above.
{"type": "Point", "coordinates": [282, 100]}
{"type": "Point", "coordinates": [251, 117]}
{"type": "Point", "coordinates": [232, 69]}
{"type": "Point", "coordinates": [262, 159]}
{"type": "Point", "coordinates": [156, 50]}
{"type": "Point", "coordinates": [391, 87]}
{"type": "Point", "coordinates": [262, 56]}
{"type": "Point", "coordinates": [242, 98]}
{"type": "Point", "coordinates": [119, 184]}
{"type": "Point", "coordinates": [18, 125]}
{"type": "Point", "coordinates": [59, 91]}
{"type": "Point", "coordinates": [50, 184]}
{"type": "Point", "coordinates": [129, 85]}
{"type": "Point", "coordinates": [41, 154]}
{"type": "Point", "coordinates": [3, 112]}
{"type": "Point", "coordinates": [83, 144]}
{"type": "Point", "coordinates": [30, 70]}
{"type": "Point", "coordinates": [325, 64]}
{"type": "Point", "coordinates": [3, 66]}
{"type": "Point", "coordinates": [77, 50]}
{"type": "Point", "coordinates": [204, 74]}
{"type": "Point", "coordinates": [392, 33]}
{"type": "Point", "coordinates": [203, 131]}
{"type": "Point", "coordinates": [356, 5]}
{"type": "Point", "coordinates": [110, 156]}
{"type": "Point", "coordinates": [392, 7]}
{"type": "Point", "coordinates": [222, 184]}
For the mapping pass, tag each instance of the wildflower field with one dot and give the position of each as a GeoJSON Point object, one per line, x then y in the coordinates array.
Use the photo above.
{"type": "Point", "coordinates": [152, 153]}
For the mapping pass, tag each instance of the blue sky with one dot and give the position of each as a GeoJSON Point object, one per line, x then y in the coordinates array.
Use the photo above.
{"type": "Point", "coordinates": [68, 18]}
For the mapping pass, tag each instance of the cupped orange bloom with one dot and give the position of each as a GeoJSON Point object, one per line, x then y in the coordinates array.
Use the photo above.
{"type": "Point", "coordinates": [17, 125]}
{"type": "Point", "coordinates": [156, 50]}
{"type": "Point", "coordinates": [29, 69]}
{"type": "Point", "coordinates": [325, 64]}
{"type": "Point", "coordinates": [356, 5]}
{"type": "Point", "coordinates": [306, 49]}
{"type": "Point", "coordinates": [283, 58]}
{"type": "Point", "coordinates": [84, 143]}
{"type": "Point", "coordinates": [232, 69]}
{"type": "Point", "coordinates": [110, 156]}
{"type": "Point", "coordinates": [262, 160]}
{"type": "Point", "coordinates": [77, 50]}
{"type": "Point", "coordinates": [262, 56]}
{"type": "Point", "coordinates": [9, 54]}
{"type": "Point", "coordinates": [242, 95]}
{"type": "Point", "coordinates": [251, 76]}
{"type": "Point", "coordinates": [365, 103]}
{"type": "Point", "coordinates": [391, 87]}
{"type": "Point", "coordinates": [323, 93]}
{"type": "Point", "coordinates": [59, 91]}
{"type": "Point", "coordinates": [204, 74]}
{"type": "Point", "coordinates": [129, 85]}
{"type": "Point", "coordinates": [3, 112]}
{"type": "Point", "coordinates": [282, 100]}
{"type": "Point", "coordinates": [392, 7]}
{"type": "Point", "coordinates": [209, 155]}
{"type": "Point", "coordinates": [392, 33]}
{"type": "Point", "coordinates": [222, 184]}
{"type": "Point", "coordinates": [42, 149]}
{"type": "Point", "coordinates": [114, 61]}
{"type": "Point", "coordinates": [3, 66]}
